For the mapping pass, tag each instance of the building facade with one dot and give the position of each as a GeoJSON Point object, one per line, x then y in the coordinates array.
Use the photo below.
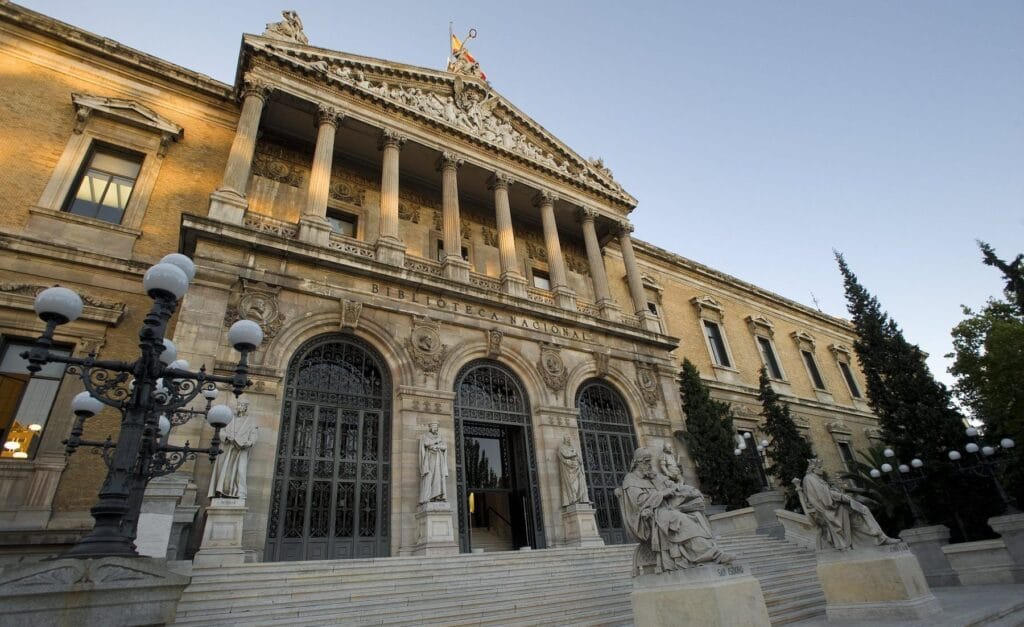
{"type": "Point", "coordinates": [416, 249]}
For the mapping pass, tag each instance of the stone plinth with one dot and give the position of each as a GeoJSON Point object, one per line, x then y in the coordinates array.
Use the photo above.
{"type": "Point", "coordinates": [101, 591]}
{"type": "Point", "coordinates": [1011, 528]}
{"type": "Point", "coordinates": [316, 231]}
{"type": "Point", "coordinates": [799, 530]}
{"type": "Point", "coordinates": [738, 522]}
{"type": "Point", "coordinates": [877, 583]}
{"type": "Point", "coordinates": [926, 543]}
{"type": "Point", "coordinates": [222, 535]}
{"type": "Point", "coordinates": [580, 523]}
{"type": "Point", "coordinates": [390, 250]}
{"type": "Point", "coordinates": [435, 532]}
{"type": "Point", "coordinates": [765, 504]}
{"type": "Point", "coordinates": [980, 563]}
{"type": "Point", "coordinates": [156, 519]}
{"type": "Point", "coordinates": [227, 206]}
{"type": "Point", "coordinates": [711, 596]}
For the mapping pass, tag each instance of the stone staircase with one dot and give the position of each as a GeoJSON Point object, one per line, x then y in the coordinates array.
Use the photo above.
{"type": "Point", "coordinates": [547, 587]}
{"type": "Point", "coordinates": [490, 540]}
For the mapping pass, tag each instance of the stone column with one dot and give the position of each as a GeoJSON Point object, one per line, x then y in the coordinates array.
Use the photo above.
{"type": "Point", "coordinates": [636, 284]}
{"type": "Point", "coordinates": [229, 203]}
{"type": "Point", "coordinates": [455, 267]}
{"type": "Point", "coordinates": [390, 248]}
{"type": "Point", "coordinates": [565, 297]}
{"type": "Point", "coordinates": [512, 280]}
{"type": "Point", "coordinates": [313, 225]}
{"type": "Point", "coordinates": [609, 309]}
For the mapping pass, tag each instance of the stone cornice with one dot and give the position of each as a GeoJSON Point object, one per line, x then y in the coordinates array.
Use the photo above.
{"type": "Point", "coordinates": [112, 50]}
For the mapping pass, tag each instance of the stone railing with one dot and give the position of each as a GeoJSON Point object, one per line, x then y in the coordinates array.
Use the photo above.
{"type": "Point", "coordinates": [631, 321]}
{"type": "Point", "coordinates": [588, 309]}
{"type": "Point", "coordinates": [270, 226]}
{"type": "Point", "coordinates": [538, 295]}
{"type": "Point", "coordinates": [426, 266]}
{"type": "Point", "coordinates": [484, 282]}
{"type": "Point", "coordinates": [350, 246]}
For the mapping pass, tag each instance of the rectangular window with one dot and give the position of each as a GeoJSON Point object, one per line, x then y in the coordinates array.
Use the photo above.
{"type": "Point", "coordinates": [652, 308]}
{"type": "Point", "coordinates": [812, 368]}
{"type": "Point", "coordinates": [850, 381]}
{"type": "Point", "coordinates": [717, 342]}
{"type": "Point", "coordinates": [105, 184]}
{"type": "Point", "coordinates": [846, 452]}
{"type": "Point", "coordinates": [25, 403]}
{"type": "Point", "coordinates": [768, 356]}
{"type": "Point", "coordinates": [441, 253]}
{"type": "Point", "coordinates": [541, 280]}
{"type": "Point", "coordinates": [342, 223]}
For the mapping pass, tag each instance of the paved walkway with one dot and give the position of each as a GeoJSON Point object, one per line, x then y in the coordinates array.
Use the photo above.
{"type": "Point", "coordinates": [963, 606]}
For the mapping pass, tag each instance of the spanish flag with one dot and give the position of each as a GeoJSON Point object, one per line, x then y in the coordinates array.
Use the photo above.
{"type": "Point", "coordinates": [458, 47]}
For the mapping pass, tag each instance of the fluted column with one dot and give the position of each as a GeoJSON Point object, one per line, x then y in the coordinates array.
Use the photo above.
{"type": "Point", "coordinates": [633, 278]}
{"type": "Point", "coordinates": [390, 248]}
{"type": "Point", "coordinates": [512, 280]}
{"type": "Point", "coordinates": [564, 295]}
{"type": "Point", "coordinates": [313, 225]}
{"type": "Point", "coordinates": [455, 267]}
{"type": "Point", "coordinates": [229, 203]}
{"type": "Point", "coordinates": [597, 273]}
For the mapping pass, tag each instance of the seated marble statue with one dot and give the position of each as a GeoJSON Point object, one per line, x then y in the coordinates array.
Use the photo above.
{"type": "Point", "coordinates": [667, 518]}
{"type": "Point", "coordinates": [843, 522]}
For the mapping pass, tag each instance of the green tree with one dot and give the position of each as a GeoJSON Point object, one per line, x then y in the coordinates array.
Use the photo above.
{"type": "Point", "coordinates": [789, 450]}
{"type": "Point", "coordinates": [710, 436]}
{"type": "Point", "coordinates": [1013, 273]}
{"type": "Point", "coordinates": [886, 501]}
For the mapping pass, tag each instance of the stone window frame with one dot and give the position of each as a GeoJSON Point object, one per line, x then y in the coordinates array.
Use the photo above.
{"type": "Point", "coordinates": [709, 309]}
{"type": "Point", "coordinates": [118, 123]}
{"type": "Point", "coordinates": [842, 434]}
{"type": "Point", "coordinates": [435, 237]}
{"type": "Point", "coordinates": [805, 342]}
{"type": "Point", "coordinates": [357, 212]}
{"type": "Point", "coordinates": [654, 292]}
{"type": "Point", "coordinates": [762, 327]}
{"type": "Point", "coordinates": [844, 355]}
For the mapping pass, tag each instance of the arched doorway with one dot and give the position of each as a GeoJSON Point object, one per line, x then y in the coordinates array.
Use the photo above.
{"type": "Point", "coordinates": [608, 441]}
{"type": "Point", "coordinates": [332, 474]}
{"type": "Point", "coordinates": [495, 470]}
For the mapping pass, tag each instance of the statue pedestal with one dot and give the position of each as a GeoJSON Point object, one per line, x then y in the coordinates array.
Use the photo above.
{"type": "Point", "coordinates": [764, 504]}
{"type": "Point", "coordinates": [926, 543]}
{"type": "Point", "coordinates": [712, 595]}
{"type": "Point", "coordinates": [876, 583]}
{"type": "Point", "coordinates": [1011, 528]}
{"type": "Point", "coordinates": [435, 533]}
{"type": "Point", "coordinates": [222, 535]}
{"type": "Point", "coordinates": [580, 523]}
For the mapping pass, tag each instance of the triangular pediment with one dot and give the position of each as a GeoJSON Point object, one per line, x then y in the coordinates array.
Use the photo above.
{"type": "Point", "coordinates": [464, 104]}
{"type": "Point", "coordinates": [126, 111]}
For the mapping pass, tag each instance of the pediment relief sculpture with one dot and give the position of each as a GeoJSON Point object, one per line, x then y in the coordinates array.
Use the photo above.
{"type": "Point", "coordinates": [424, 344]}
{"type": "Point", "coordinates": [552, 368]}
{"type": "Point", "coordinates": [258, 302]}
{"type": "Point", "coordinates": [647, 380]}
{"type": "Point", "coordinates": [288, 29]}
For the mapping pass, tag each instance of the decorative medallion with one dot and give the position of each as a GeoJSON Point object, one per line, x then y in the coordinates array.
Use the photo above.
{"type": "Point", "coordinates": [350, 311]}
{"type": "Point", "coordinates": [552, 369]}
{"type": "Point", "coordinates": [494, 338]}
{"type": "Point", "coordinates": [647, 379]}
{"type": "Point", "coordinates": [425, 345]}
{"type": "Point", "coordinates": [408, 211]}
{"type": "Point", "coordinates": [601, 364]}
{"type": "Point", "coordinates": [257, 302]}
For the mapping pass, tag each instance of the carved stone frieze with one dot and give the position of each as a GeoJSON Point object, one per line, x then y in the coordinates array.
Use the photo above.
{"type": "Point", "coordinates": [494, 337]}
{"type": "Point", "coordinates": [346, 191]}
{"type": "Point", "coordinates": [31, 289]}
{"type": "Point", "coordinates": [424, 344]}
{"type": "Point", "coordinates": [252, 300]}
{"type": "Point", "coordinates": [552, 368]}
{"type": "Point", "coordinates": [350, 312]}
{"type": "Point", "coordinates": [489, 235]}
{"type": "Point", "coordinates": [280, 164]}
{"type": "Point", "coordinates": [647, 380]}
{"type": "Point", "coordinates": [408, 211]}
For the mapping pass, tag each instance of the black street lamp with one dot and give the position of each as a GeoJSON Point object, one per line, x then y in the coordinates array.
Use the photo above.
{"type": "Point", "coordinates": [151, 393]}
{"type": "Point", "coordinates": [984, 462]}
{"type": "Point", "coordinates": [907, 478]}
{"type": "Point", "coordinates": [754, 460]}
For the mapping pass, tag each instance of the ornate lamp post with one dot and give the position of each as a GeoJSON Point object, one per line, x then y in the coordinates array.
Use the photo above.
{"type": "Point", "coordinates": [150, 392]}
{"type": "Point", "coordinates": [754, 461]}
{"type": "Point", "coordinates": [907, 478]}
{"type": "Point", "coordinates": [985, 461]}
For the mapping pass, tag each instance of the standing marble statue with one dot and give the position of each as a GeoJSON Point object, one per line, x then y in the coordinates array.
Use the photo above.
{"type": "Point", "coordinates": [669, 464]}
{"type": "Point", "coordinates": [667, 518]}
{"type": "Point", "coordinates": [573, 482]}
{"type": "Point", "coordinates": [843, 522]}
{"type": "Point", "coordinates": [433, 466]}
{"type": "Point", "coordinates": [229, 472]}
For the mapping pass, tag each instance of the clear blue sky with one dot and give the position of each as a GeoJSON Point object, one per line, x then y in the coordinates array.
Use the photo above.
{"type": "Point", "coordinates": [757, 136]}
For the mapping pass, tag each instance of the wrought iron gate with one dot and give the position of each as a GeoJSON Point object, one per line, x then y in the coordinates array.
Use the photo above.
{"type": "Point", "coordinates": [489, 393]}
{"type": "Point", "coordinates": [608, 441]}
{"type": "Point", "coordinates": [333, 469]}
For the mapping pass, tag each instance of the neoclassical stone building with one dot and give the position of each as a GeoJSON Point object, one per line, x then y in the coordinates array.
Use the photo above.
{"type": "Point", "coordinates": [416, 250]}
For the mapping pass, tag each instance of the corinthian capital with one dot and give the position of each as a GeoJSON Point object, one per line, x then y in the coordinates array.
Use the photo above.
{"type": "Point", "coordinates": [449, 160]}
{"type": "Point", "coordinates": [391, 137]}
{"type": "Point", "coordinates": [623, 228]}
{"type": "Point", "coordinates": [544, 197]}
{"type": "Point", "coordinates": [328, 114]}
{"type": "Point", "coordinates": [253, 85]}
{"type": "Point", "coordinates": [500, 180]}
{"type": "Point", "coordinates": [586, 214]}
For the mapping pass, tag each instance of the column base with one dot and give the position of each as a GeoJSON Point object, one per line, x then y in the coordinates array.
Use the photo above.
{"type": "Point", "coordinates": [713, 595]}
{"type": "Point", "coordinates": [455, 269]}
{"type": "Point", "coordinates": [610, 310]}
{"type": "Point", "coordinates": [222, 536]}
{"type": "Point", "coordinates": [513, 284]}
{"type": "Point", "coordinates": [227, 205]}
{"type": "Point", "coordinates": [435, 531]}
{"type": "Point", "coordinates": [872, 584]}
{"type": "Point", "coordinates": [926, 543]}
{"type": "Point", "coordinates": [314, 230]}
{"type": "Point", "coordinates": [565, 297]}
{"type": "Point", "coordinates": [390, 250]}
{"type": "Point", "coordinates": [580, 523]}
{"type": "Point", "coordinates": [649, 322]}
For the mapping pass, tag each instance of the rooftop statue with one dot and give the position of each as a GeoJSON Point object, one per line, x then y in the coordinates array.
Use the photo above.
{"type": "Point", "coordinates": [289, 29]}
{"type": "Point", "coordinates": [667, 519]}
{"type": "Point", "coordinates": [843, 522]}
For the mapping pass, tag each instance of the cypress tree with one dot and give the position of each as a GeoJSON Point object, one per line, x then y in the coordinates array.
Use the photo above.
{"type": "Point", "coordinates": [789, 450]}
{"type": "Point", "coordinates": [710, 436]}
